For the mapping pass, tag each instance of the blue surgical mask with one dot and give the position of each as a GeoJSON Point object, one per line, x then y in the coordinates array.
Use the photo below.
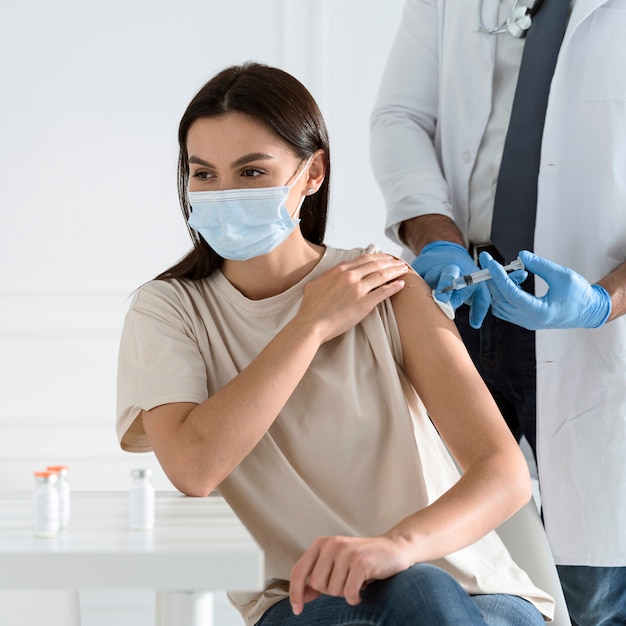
{"type": "Point", "coordinates": [240, 224]}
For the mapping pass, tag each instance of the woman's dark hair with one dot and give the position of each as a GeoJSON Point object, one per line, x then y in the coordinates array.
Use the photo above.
{"type": "Point", "coordinates": [276, 98]}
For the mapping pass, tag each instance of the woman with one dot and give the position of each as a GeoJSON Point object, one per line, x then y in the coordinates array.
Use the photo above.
{"type": "Point", "coordinates": [297, 378]}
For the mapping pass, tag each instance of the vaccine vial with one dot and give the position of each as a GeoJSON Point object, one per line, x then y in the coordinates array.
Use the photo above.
{"type": "Point", "coordinates": [46, 504]}
{"type": "Point", "coordinates": [63, 487]}
{"type": "Point", "coordinates": [141, 500]}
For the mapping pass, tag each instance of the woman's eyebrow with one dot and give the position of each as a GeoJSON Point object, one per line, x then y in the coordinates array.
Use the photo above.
{"type": "Point", "coordinates": [248, 158]}
{"type": "Point", "coordinates": [253, 156]}
{"type": "Point", "coordinates": [199, 161]}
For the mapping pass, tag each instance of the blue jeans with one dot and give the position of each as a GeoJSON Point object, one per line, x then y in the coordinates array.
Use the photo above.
{"type": "Point", "coordinates": [504, 355]}
{"type": "Point", "coordinates": [595, 596]}
{"type": "Point", "coordinates": [423, 594]}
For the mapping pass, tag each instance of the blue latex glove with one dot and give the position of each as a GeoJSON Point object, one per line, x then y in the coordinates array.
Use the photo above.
{"type": "Point", "coordinates": [570, 302]}
{"type": "Point", "coordinates": [439, 263]}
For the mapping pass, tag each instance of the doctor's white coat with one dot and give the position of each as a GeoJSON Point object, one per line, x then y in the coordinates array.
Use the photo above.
{"type": "Point", "coordinates": [437, 92]}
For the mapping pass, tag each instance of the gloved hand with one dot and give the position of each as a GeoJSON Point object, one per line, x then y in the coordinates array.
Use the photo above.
{"type": "Point", "coordinates": [439, 263]}
{"type": "Point", "coordinates": [570, 302]}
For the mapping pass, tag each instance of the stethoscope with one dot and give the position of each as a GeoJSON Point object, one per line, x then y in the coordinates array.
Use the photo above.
{"type": "Point", "coordinates": [517, 23]}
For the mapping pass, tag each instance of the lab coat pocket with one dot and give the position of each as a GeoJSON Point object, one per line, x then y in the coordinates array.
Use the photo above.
{"type": "Point", "coordinates": [605, 64]}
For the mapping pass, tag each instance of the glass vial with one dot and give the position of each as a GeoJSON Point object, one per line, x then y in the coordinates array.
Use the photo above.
{"type": "Point", "coordinates": [46, 504]}
{"type": "Point", "coordinates": [63, 487]}
{"type": "Point", "coordinates": [141, 500]}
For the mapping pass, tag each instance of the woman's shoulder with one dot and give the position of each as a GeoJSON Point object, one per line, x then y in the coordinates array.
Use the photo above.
{"type": "Point", "coordinates": [341, 254]}
{"type": "Point", "coordinates": [178, 293]}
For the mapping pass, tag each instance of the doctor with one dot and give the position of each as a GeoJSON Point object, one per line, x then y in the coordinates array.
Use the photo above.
{"type": "Point", "coordinates": [438, 131]}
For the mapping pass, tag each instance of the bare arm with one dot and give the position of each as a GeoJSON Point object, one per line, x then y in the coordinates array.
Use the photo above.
{"type": "Point", "coordinates": [420, 231]}
{"type": "Point", "coordinates": [495, 482]}
{"type": "Point", "coordinates": [199, 445]}
{"type": "Point", "coordinates": [615, 283]}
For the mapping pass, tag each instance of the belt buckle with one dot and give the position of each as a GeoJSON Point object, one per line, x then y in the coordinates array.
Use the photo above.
{"type": "Point", "coordinates": [487, 246]}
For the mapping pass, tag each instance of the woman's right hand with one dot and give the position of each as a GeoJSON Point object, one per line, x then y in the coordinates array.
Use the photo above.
{"type": "Point", "coordinates": [342, 566]}
{"type": "Point", "coordinates": [341, 297]}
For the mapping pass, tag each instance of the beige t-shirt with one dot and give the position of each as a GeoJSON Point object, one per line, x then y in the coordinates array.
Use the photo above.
{"type": "Point", "coordinates": [353, 451]}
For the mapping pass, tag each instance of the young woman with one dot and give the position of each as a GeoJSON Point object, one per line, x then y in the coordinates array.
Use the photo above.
{"type": "Point", "coordinates": [301, 380]}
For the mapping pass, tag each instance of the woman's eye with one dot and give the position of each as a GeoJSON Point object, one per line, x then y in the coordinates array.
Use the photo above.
{"type": "Point", "coordinates": [251, 173]}
{"type": "Point", "coordinates": [202, 175]}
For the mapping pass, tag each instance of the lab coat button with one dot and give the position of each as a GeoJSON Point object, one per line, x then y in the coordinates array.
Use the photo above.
{"type": "Point", "coordinates": [467, 157]}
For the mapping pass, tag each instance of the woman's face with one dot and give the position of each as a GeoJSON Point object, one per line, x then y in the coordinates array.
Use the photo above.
{"type": "Point", "coordinates": [235, 151]}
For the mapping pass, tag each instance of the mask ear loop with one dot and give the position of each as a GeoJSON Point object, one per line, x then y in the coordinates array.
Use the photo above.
{"type": "Point", "coordinates": [309, 191]}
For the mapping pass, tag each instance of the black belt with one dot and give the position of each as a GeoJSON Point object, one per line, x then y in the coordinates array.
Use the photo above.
{"type": "Point", "coordinates": [476, 248]}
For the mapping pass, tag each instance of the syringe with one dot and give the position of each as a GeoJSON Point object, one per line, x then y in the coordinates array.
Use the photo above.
{"type": "Point", "coordinates": [478, 277]}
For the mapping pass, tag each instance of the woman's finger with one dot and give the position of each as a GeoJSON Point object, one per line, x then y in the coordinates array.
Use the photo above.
{"type": "Point", "coordinates": [298, 588]}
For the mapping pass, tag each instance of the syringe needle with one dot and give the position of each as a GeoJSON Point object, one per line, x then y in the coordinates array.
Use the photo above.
{"type": "Point", "coordinates": [478, 277]}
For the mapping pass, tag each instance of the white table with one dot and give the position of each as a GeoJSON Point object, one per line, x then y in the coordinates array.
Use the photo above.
{"type": "Point", "coordinates": [198, 545]}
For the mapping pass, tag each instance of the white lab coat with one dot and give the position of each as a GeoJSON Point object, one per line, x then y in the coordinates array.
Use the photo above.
{"type": "Point", "coordinates": [437, 89]}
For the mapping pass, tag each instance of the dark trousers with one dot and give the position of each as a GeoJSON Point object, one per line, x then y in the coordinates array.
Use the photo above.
{"type": "Point", "coordinates": [504, 355]}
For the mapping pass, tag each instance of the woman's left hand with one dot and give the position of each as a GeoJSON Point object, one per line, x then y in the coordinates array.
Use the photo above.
{"type": "Point", "coordinates": [341, 566]}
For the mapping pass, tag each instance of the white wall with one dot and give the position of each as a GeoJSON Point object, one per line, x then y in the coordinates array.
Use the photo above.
{"type": "Point", "coordinates": [91, 97]}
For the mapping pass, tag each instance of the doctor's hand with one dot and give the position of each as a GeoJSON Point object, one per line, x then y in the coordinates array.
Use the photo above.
{"type": "Point", "coordinates": [570, 302]}
{"type": "Point", "coordinates": [341, 566]}
{"type": "Point", "coordinates": [439, 263]}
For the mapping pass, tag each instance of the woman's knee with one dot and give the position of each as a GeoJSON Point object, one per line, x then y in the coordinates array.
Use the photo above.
{"type": "Point", "coordinates": [423, 594]}
{"type": "Point", "coordinates": [426, 579]}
